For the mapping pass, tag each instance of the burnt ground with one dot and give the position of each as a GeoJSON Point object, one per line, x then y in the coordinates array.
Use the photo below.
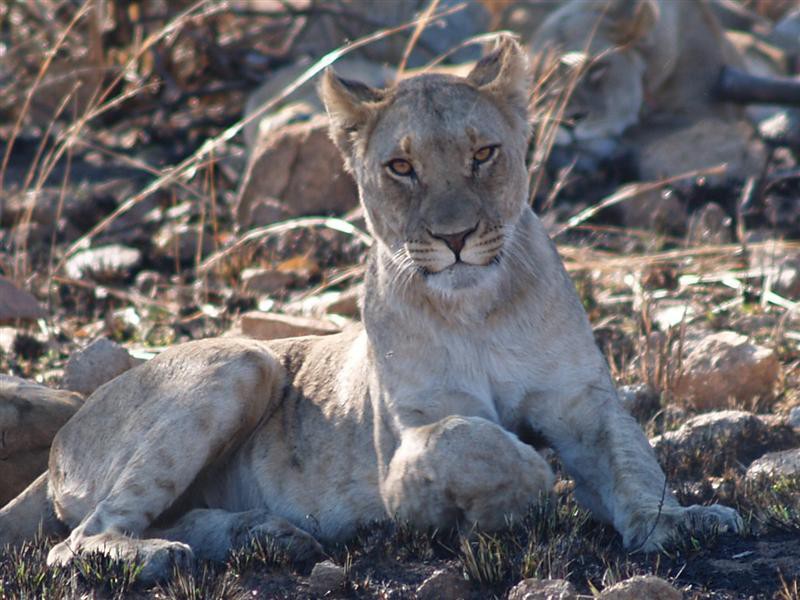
{"type": "Point", "coordinates": [190, 87]}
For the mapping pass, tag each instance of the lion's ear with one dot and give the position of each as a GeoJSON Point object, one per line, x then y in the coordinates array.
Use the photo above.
{"type": "Point", "coordinates": [350, 106]}
{"type": "Point", "coordinates": [633, 19]}
{"type": "Point", "coordinates": [505, 74]}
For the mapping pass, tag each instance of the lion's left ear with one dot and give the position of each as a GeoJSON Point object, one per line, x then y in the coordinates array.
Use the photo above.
{"type": "Point", "coordinates": [633, 21]}
{"type": "Point", "coordinates": [505, 74]}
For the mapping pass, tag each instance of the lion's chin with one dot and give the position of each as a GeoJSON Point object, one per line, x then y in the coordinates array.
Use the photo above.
{"type": "Point", "coordinates": [463, 276]}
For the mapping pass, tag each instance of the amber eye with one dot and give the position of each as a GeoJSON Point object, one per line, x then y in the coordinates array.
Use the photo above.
{"type": "Point", "coordinates": [400, 167]}
{"type": "Point", "coordinates": [484, 154]}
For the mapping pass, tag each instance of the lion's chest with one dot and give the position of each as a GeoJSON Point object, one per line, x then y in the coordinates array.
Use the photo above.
{"type": "Point", "coordinates": [472, 375]}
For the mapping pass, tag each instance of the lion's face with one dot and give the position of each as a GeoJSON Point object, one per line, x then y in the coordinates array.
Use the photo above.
{"type": "Point", "coordinates": [597, 47]}
{"type": "Point", "coordinates": [441, 172]}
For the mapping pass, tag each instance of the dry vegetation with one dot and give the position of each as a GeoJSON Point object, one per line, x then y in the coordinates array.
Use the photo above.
{"type": "Point", "coordinates": [118, 125]}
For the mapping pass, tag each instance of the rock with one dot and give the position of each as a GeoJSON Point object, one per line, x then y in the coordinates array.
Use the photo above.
{"type": "Point", "coordinates": [640, 400]}
{"type": "Point", "coordinates": [272, 326]}
{"type": "Point", "coordinates": [345, 304]}
{"type": "Point", "coordinates": [543, 589]}
{"type": "Point", "coordinates": [661, 210]}
{"type": "Point", "coordinates": [326, 304]}
{"type": "Point", "coordinates": [668, 313]}
{"type": "Point", "coordinates": [17, 304]}
{"type": "Point", "coordinates": [709, 225]}
{"type": "Point", "coordinates": [782, 129]}
{"type": "Point", "coordinates": [794, 417]}
{"type": "Point", "coordinates": [781, 267]}
{"type": "Point", "coordinates": [707, 444]}
{"type": "Point", "coordinates": [180, 240]}
{"type": "Point", "coordinates": [148, 283]}
{"type": "Point", "coordinates": [725, 365]}
{"type": "Point", "coordinates": [670, 149]}
{"type": "Point", "coordinates": [787, 31]}
{"type": "Point", "coordinates": [640, 587]}
{"type": "Point", "coordinates": [265, 281]}
{"type": "Point", "coordinates": [328, 30]}
{"type": "Point", "coordinates": [100, 362]}
{"type": "Point", "coordinates": [30, 415]}
{"type": "Point", "coordinates": [105, 263]}
{"type": "Point", "coordinates": [300, 166]}
{"type": "Point", "coordinates": [443, 584]}
{"type": "Point", "coordinates": [326, 577]}
{"type": "Point", "coordinates": [775, 465]}
{"type": "Point", "coordinates": [304, 102]}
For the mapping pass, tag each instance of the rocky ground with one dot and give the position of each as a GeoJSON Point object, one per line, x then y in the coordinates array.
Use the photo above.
{"type": "Point", "coordinates": [138, 210]}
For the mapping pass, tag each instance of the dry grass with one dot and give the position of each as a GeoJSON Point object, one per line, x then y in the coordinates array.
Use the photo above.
{"type": "Point", "coordinates": [79, 89]}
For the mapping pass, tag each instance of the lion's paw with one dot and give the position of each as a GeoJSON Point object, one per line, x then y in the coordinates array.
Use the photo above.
{"type": "Point", "coordinates": [663, 529]}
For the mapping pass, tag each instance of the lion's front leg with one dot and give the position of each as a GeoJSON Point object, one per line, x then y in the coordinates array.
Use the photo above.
{"type": "Point", "coordinates": [616, 472]}
{"type": "Point", "coordinates": [463, 471]}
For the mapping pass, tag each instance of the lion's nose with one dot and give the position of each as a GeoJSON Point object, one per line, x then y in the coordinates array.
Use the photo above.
{"type": "Point", "coordinates": [455, 241]}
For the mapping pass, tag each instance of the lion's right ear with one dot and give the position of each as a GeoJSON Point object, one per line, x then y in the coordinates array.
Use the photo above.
{"type": "Point", "coordinates": [351, 106]}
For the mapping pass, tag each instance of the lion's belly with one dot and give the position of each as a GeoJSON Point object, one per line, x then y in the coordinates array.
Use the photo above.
{"type": "Point", "coordinates": [326, 482]}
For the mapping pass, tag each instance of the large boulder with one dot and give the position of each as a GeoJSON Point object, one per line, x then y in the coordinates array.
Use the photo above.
{"type": "Point", "coordinates": [640, 587]}
{"type": "Point", "coordinates": [725, 365]}
{"type": "Point", "coordinates": [30, 416]}
{"type": "Point", "coordinates": [708, 444]}
{"type": "Point", "coordinates": [100, 362]}
{"type": "Point", "coordinates": [301, 167]}
{"type": "Point", "coordinates": [17, 304]}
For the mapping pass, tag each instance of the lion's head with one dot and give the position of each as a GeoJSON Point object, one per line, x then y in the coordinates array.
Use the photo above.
{"type": "Point", "coordinates": [440, 164]}
{"type": "Point", "coordinates": [602, 49]}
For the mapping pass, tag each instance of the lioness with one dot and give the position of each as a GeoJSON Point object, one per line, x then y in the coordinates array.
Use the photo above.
{"type": "Point", "coordinates": [635, 60]}
{"type": "Point", "coordinates": [473, 341]}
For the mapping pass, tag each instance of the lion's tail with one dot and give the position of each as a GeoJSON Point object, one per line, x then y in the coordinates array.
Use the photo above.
{"type": "Point", "coordinates": [28, 514]}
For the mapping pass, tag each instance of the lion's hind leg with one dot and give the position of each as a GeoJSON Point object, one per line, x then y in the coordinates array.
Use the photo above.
{"type": "Point", "coordinates": [213, 534]}
{"type": "Point", "coordinates": [141, 442]}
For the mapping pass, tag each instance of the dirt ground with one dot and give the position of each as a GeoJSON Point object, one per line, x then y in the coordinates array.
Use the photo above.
{"type": "Point", "coordinates": [125, 130]}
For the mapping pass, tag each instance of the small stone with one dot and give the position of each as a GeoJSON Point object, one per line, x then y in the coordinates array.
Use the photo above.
{"type": "Point", "coordinates": [707, 444]}
{"type": "Point", "coordinates": [326, 577]}
{"type": "Point", "coordinates": [148, 283]}
{"type": "Point", "coordinates": [100, 362]}
{"type": "Point", "coordinates": [105, 263]}
{"type": "Point", "coordinates": [725, 365]}
{"type": "Point", "coordinates": [662, 210]}
{"type": "Point", "coordinates": [346, 304]}
{"type": "Point", "coordinates": [794, 417]}
{"type": "Point", "coordinates": [641, 587]}
{"type": "Point", "coordinates": [17, 304]}
{"type": "Point", "coordinates": [327, 304]}
{"type": "Point", "coordinates": [543, 589]}
{"type": "Point", "coordinates": [181, 241]}
{"type": "Point", "coordinates": [781, 129]}
{"type": "Point", "coordinates": [265, 281]}
{"type": "Point", "coordinates": [640, 400]}
{"type": "Point", "coordinates": [30, 415]}
{"type": "Point", "coordinates": [775, 465]}
{"type": "Point", "coordinates": [272, 326]}
{"type": "Point", "coordinates": [443, 584]}
{"type": "Point", "coordinates": [709, 225]}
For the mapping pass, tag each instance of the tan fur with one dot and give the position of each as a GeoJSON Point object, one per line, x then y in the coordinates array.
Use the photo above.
{"type": "Point", "coordinates": [419, 413]}
{"type": "Point", "coordinates": [636, 60]}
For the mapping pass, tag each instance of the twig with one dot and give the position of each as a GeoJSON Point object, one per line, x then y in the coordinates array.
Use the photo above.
{"type": "Point", "coordinates": [262, 232]}
{"type": "Point", "coordinates": [188, 164]}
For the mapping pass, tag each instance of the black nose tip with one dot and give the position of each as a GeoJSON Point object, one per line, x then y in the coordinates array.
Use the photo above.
{"type": "Point", "coordinates": [454, 241]}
